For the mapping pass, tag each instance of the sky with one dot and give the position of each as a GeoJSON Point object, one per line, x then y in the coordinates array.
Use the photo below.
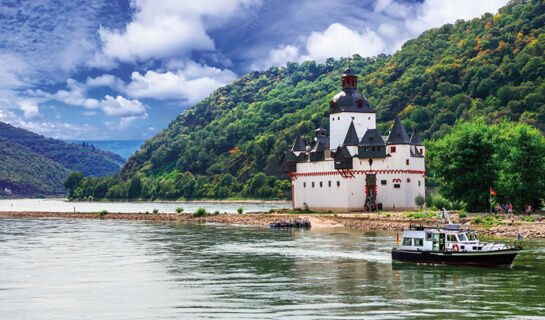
{"type": "Point", "coordinates": [123, 69]}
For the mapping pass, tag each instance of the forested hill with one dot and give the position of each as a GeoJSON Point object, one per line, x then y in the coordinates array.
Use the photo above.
{"type": "Point", "coordinates": [491, 66]}
{"type": "Point", "coordinates": [32, 164]}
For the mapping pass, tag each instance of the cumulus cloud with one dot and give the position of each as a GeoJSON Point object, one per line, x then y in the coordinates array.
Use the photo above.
{"type": "Point", "coordinates": [105, 80]}
{"type": "Point", "coordinates": [122, 107]}
{"type": "Point", "coordinates": [30, 109]}
{"type": "Point", "coordinates": [162, 29]}
{"type": "Point", "coordinates": [193, 82]}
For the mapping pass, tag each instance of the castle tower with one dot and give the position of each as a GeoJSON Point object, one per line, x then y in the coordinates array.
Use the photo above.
{"type": "Point", "coordinates": [349, 106]}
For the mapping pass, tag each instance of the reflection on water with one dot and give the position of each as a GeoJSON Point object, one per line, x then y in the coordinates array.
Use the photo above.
{"type": "Point", "coordinates": [103, 269]}
{"type": "Point", "coordinates": [61, 205]}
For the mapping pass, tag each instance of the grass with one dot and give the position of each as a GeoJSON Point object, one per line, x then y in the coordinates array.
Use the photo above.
{"type": "Point", "coordinates": [420, 215]}
{"type": "Point", "coordinates": [179, 210]}
{"type": "Point", "coordinates": [200, 212]}
{"type": "Point", "coordinates": [529, 219]}
{"type": "Point", "coordinates": [102, 213]}
{"type": "Point", "coordinates": [488, 221]}
{"type": "Point", "coordinates": [462, 215]}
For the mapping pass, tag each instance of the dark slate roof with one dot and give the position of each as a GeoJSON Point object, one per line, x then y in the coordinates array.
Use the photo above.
{"type": "Point", "coordinates": [347, 100]}
{"type": "Point", "coordinates": [342, 153]}
{"type": "Point", "coordinates": [290, 156]}
{"type": "Point", "coordinates": [415, 138]}
{"type": "Point", "coordinates": [319, 147]}
{"type": "Point", "coordinates": [371, 138]}
{"type": "Point", "coordinates": [398, 135]}
{"type": "Point", "coordinates": [351, 138]}
{"type": "Point", "coordinates": [299, 144]}
{"type": "Point", "coordinates": [349, 72]}
{"type": "Point", "coordinates": [320, 129]}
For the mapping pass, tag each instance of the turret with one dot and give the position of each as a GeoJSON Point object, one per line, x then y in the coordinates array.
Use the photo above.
{"type": "Point", "coordinates": [418, 144]}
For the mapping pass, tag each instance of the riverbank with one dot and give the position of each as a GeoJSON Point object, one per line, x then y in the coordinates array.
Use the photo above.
{"type": "Point", "coordinates": [365, 222]}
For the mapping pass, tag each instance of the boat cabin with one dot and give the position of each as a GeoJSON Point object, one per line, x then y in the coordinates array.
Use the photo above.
{"type": "Point", "coordinates": [451, 238]}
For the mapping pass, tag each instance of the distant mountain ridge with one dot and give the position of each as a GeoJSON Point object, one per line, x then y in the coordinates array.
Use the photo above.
{"type": "Point", "coordinates": [32, 164]}
{"type": "Point", "coordinates": [123, 148]}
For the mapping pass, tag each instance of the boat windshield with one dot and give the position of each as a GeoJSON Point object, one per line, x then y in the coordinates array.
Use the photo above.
{"type": "Point", "coordinates": [462, 237]}
{"type": "Point", "coordinates": [472, 236]}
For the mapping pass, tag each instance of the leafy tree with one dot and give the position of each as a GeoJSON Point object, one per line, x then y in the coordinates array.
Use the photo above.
{"type": "Point", "coordinates": [135, 188]}
{"type": "Point", "coordinates": [73, 181]}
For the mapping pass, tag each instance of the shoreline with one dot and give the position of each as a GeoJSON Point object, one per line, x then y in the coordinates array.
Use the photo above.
{"type": "Point", "coordinates": [374, 222]}
{"type": "Point", "coordinates": [256, 201]}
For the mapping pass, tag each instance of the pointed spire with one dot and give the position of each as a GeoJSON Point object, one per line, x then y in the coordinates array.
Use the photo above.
{"type": "Point", "coordinates": [320, 130]}
{"type": "Point", "coordinates": [415, 138]}
{"type": "Point", "coordinates": [371, 138]}
{"type": "Point", "coordinates": [351, 138]}
{"type": "Point", "coordinates": [299, 144]}
{"type": "Point", "coordinates": [398, 135]}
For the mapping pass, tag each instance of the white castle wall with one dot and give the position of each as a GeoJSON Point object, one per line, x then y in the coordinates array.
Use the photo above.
{"type": "Point", "coordinates": [339, 123]}
{"type": "Point", "coordinates": [348, 194]}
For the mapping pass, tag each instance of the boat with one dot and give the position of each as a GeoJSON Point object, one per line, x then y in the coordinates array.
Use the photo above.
{"type": "Point", "coordinates": [297, 223]}
{"type": "Point", "coordinates": [451, 244]}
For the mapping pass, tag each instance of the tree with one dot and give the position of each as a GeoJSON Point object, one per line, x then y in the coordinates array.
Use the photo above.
{"type": "Point", "coordinates": [522, 174]}
{"type": "Point", "coordinates": [135, 188]}
{"type": "Point", "coordinates": [464, 163]}
{"type": "Point", "coordinates": [73, 181]}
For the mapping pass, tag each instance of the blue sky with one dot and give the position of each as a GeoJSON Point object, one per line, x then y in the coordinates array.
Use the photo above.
{"type": "Point", "coordinates": [120, 69]}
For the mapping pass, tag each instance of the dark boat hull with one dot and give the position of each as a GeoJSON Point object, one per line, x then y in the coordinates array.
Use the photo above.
{"type": "Point", "coordinates": [486, 259]}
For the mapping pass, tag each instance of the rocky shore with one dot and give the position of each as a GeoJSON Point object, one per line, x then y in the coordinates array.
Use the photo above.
{"type": "Point", "coordinates": [366, 222]}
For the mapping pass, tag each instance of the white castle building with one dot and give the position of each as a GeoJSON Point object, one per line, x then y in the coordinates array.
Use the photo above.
{"type": "Point", "coordinates": [356, 168]}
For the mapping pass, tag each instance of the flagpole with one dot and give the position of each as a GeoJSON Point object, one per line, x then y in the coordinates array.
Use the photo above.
{"type": "Point", "coordinates": [490, 199]}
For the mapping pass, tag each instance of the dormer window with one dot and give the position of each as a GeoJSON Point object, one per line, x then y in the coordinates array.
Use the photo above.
{"type": "Point", "coordinates": [360, 103]}
{"type": "Point", "coordinates": [332, 104]}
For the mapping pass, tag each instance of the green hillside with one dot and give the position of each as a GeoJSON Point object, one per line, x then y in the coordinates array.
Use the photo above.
{"type": "Point", "coordinates": [32, 164]}
{"type": "Point", "coordinates": [492, 66]}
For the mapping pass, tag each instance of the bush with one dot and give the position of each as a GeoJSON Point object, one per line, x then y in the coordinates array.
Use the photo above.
{"type": "Point", "coordinates": [179, 210]}
{"type": "Point", "coordinates": [477, 220]}
{"type": "Point", "coordinates": [271, 210]}
{"type": "Point", "coordinates": [240, 210]}
{"type": "Point", "coordinates": [420, 200]}
{"type": "Point", "coordinates": [462, 215]}
{"type": "Point", "coordinates": [439, 201]}
{"type": "Point", "coordinates": [103, 213]}
{"type": "Point", "coordinates": [147, 212]}
{"type": "Point", "coordinates": [217, 212]}
{"type": "Point", "coordinates": [200, 212]}
{"type": "Point", "coordinates": [155, 210]}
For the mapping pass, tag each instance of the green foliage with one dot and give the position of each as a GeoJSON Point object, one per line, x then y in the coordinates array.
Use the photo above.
{"type": "Point", "coordinates": [155, 210]}
{"type": "Point", "coordinates": [420, 215]}
{"type": "Point", "coordinates": [240, 210]}
{"type": "Point", "coordinates": [420, 200]}
{"type": "Point", "coordinates": [179, 210]}
{"type": "Point", "coordinates": [200, 212]}
{"type": "Point", "coordinates": [216, 212]}
{"type": "Point", "coordinates": [529, 219]}
{"type": "Point", "coordinates": [476, 156]}
{"type": "Point", "coordinates": [477, 220]}
{"type": "Point", "coordinates": [103, 213]}
{"type": "Point", "coordinates": [462, 215]}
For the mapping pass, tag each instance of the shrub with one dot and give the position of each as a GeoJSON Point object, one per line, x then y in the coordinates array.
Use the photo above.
{"type": "Point", "coordinates": [420, 200]}
{"type": "Point", "coordinates": [200, 212]}
{"type": "Point", "coordinates": [529, 219]}
{"type": "Point", "coordinates": [147, 212]}
{"type": "Point", "coordinates": [462, 215]}
{"type": "Point", "coordinates": [103, 213]}
{"type": "Point", "coordinates": [217, 212]}
{"type": "Point", "coordinates": [240, 210]}
{"type": "Point", "coordinates": [179, 210]}
{"type": "Point", "coordinates": [271, 211]}
{"type": "Point", "coordinates": [155, 210]}
{"type": "Point", "coordinates": [439, 201]}
{"type": "Point", "coordinates": [477, 220]}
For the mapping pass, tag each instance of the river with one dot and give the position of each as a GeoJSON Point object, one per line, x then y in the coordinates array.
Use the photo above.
{"type": "Point", "coordinates": [62, 205]}
{"type": "Point", "coordinates": [107, 269]}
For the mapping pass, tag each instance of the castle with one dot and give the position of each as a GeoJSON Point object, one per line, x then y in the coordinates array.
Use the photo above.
{"type": "Point", "coordinates": [356, 168]}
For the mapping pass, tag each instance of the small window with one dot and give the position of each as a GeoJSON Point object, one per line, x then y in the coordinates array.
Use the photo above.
{"type": "Point", "coordinates": [338, 183]}
{"type": "Point", "coordinates": [421, 152]}
{"type": "Point", "coordinates": [393, 149]}
{"type": "Point", "coordinates": [419, 183]}
{"type": "Point", "coordinates": [338, 118]}
{"type": "Point", "coordinates": [304, 184]}
{"type": "Point", "coordinates": [383, 182]}
{"type": "Point", "coordinates": [373, 148]}
{"type": "Point", "coordinates": [321, 185]}
{"type": "Point", "coordinates": [369, 118]}
{"type": "Point", "coordinates": [407, 161]}
{"type": "Point", "coordinates": [407, 242]}
{"type": "Point", "coordinates": [451, 238]}
{"type": "Point", "coordinates": [408, 180]}
{"type": "Point", "coordinates": [329, 184]}
{"type": "Point", "coordinates": [333, 119]}
{"type": "Point", "coordinates": [378, 148]}
{"type": "Point", "coordinates": [428, 236]}
{"type": "Point", "coordinates": [397, 185]}
{"type": "Point", "coordinates": [313, 184]}
{"type": "Point", "coordinates": [418, 242]}
{"type": "Point", "coordinates": [365, 149]}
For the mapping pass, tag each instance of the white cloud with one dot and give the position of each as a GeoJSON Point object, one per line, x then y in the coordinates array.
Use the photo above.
{"type": "Point", "coordinates": [283, 54]}
{"type": "Point", "coordinates": [105, 80]}
{"type": "Point", "coordinates": [434, 13]}
{"type": "Point", "coordinates": [167, 28]}
{"type": "Point", "coordinates": [76, 95]}
{"type": "Point", "coordinates": [122, 107]}
{"type": "Point", "coordinates": [30, 109]}
{"type": "Point", "coordinates": [193, 83]}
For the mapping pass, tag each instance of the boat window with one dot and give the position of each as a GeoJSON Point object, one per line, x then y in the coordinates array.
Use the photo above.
{"type": "Point", "coordinates": [451, 238]}
{"type": "Point", "coordinates": [428, 236]}
{"type": "Point", "coordinates": [462, 237]}
{"type": "Point", "coordinates": [407, 242]}
{"type": "Point", "coordinates": [472, 236]}
{"type": "Point", "coordinates": [418, 242]}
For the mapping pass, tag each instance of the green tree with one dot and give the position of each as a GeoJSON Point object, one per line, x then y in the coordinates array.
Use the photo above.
{"type": "Point", "coordinates": [135, 188]}
{"type": "Point", "coordinates": [464, 163]}
{"type": "Point", "coordinates": [73, 181]}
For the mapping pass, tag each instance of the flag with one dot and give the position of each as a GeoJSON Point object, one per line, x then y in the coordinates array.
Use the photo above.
{"type": "Point", "coordinates": [398, 238]}
{"type": "Point", "coordinates": [492, 192]}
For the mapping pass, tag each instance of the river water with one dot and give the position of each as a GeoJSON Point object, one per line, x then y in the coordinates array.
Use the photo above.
{"type": "Point", "coordinates": [108, 269]}
{"type": "Point", "coordinates": [62, 205]}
